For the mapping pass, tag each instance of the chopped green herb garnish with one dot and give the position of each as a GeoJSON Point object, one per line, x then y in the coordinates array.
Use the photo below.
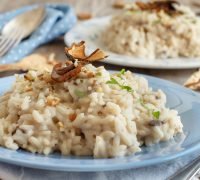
{"type": "Point", "coordinates": [194, 21]}
{"type": "Point", "coordinates": [156, 114]}
{"type": "Point", "coordinates": [79, 93]}
{"type": "Point", "coordinates": [144, 105]}
{"type": "Point", "coordinates": [128, 88]}
{"type": "Point", "coordinates": [114, 81]}
{"type": "Point", "coordinates": [156, 21]}
{"type": "Point", "coordinates": [133, 11]}
{"type": "Point", "coordinates": [122, 71]}
{"type": "Point", "coordinates": [99, 74]}
{"type": "Point", "coordinates": [119, 76]}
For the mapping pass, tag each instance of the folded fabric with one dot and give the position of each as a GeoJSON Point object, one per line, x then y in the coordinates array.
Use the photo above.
{"type": "Point", "coordinates": [59, 19]}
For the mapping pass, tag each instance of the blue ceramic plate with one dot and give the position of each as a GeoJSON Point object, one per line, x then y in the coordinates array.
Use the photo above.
{"type": "Point", "coordinates": [185, 101]}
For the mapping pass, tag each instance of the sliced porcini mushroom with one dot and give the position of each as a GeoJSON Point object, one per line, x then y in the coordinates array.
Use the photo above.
{"type": "Point", "coordinates": [96, 56]}
{"type": "Point", "coordinates": [77, 51]}
{"type": "Point", "coordinates": [166, 6]}
{"type": "Point", "coordinates": [155, 123]}
{"type": "Point", "coordinates": [77, 59]}
{"type": "Point", "coordinates": [61, 74]}
{"type": "Point", "coordinates": [60, 69]}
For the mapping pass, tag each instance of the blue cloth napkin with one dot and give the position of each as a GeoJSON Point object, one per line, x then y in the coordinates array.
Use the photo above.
{"type": "Point", "coordinates": [60, 18]}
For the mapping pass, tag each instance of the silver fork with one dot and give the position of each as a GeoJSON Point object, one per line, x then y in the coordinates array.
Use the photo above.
{"type": "Point", "coordinates": [19, 28]}
{"type": "Point", "coordinates": [9, 41]}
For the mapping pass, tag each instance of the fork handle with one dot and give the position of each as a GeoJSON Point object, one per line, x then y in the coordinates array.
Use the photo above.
{"type": "Point", "coordinates": [9, 67]}
{"type": "Point", "coordinates": [188, 172]}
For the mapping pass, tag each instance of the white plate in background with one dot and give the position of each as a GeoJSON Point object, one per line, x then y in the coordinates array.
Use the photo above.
{"type": "Point", "coordinates": [90, 32]}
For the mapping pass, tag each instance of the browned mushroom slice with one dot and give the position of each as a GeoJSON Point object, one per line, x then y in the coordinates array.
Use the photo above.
{"type": "Point", "coordinates": [156, 123]}
{"type": "Point", "coordinates": [77, 51]}
{"type": "Point", "coordinates": [54, 74]}
{"type": "Point", "coordinates": [142, 5]}
{"type": "Point", "coordinates": [65, 69]}
{"type": "Point", "coordinates": [61, 74]}
{"type": "Point", "coordinates": [166, 6]}
{"type": "Point", "coordinates": [77, 59]}
{"type": "Point", "coordinates": [96, 56]}
{"type": "Point", "coordinates": [73, 73]}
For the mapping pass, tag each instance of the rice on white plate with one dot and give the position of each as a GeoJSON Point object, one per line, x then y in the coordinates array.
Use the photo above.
{"type": "Point", "coordinates": [95, 114]}
{"type": "Point", "coordinates": [148, 30]}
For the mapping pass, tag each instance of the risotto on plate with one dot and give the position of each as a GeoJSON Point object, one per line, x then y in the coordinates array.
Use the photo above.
{"type": "Point", "coordinates": [82, 110]}
{"type": "Point", "coordinates": [160, 29]}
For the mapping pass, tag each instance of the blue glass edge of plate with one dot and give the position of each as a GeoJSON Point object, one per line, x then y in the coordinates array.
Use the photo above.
{"type": "Point", "coordinates": [70, 167]}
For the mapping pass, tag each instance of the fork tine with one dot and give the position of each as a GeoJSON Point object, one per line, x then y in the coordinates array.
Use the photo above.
{"type": "Point", "coordinates": [7, 38]}
{"type": "Point", "coordinates": [13, 42]}
{"type": "Point", "coordinates": [5, 48]}
{"type": "Point", "coordinates": [10, 43]}
{"type": "Point", "coordinates": [2, 39]}
{"type": "Point", "coordinates": [18, 40]}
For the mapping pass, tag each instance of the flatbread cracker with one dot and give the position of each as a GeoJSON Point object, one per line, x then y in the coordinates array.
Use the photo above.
{"type": "Point", "coordinates": [34, 62]}
{"type": "Point", "coordinates": [193, 81]}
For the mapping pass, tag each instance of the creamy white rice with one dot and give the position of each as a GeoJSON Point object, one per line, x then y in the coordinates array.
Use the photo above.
{"type": "Point", "coordinates": [90, 115]}
{"type": "Point", "coordinates": [150, 34]}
